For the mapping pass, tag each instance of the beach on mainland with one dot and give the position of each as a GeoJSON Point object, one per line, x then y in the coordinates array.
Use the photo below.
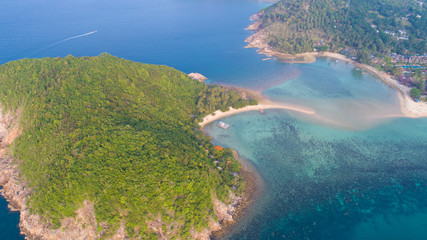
{"type": "Point", "coordinates": [408, 106]}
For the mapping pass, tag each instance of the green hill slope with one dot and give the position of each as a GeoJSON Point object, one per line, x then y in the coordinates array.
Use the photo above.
{"type": "Point", "coordinates": [377, 26]}
{"type": "Point", "coordinates": [122, 135]}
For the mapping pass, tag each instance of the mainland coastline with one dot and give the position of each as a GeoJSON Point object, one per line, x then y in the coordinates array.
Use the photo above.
{"type": "Point", "coordinates": [408, 106]}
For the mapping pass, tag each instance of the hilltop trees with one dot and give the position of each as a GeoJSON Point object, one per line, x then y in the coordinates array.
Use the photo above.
{"type": "Point", "coordinates": [376, 26]}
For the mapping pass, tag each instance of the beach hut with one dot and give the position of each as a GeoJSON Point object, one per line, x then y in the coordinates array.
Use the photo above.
{"type": "Point", "coordinates": [223, 125]}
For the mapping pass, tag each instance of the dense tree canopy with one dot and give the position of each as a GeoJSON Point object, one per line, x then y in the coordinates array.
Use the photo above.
{"type": "Point", "coordinates": [383, 26]}
{"type": "Point", "coordinates": [121, 134]}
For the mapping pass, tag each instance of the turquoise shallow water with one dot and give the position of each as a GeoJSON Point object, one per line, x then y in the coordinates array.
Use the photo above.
{"type": "Point", "coordinates": [327, 183]}
{"type": "Point", "coordinates": [339, 92]}
{"type": "Point", "coordinates": [316, 167]}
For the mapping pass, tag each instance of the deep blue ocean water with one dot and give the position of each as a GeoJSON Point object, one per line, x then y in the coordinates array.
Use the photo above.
{"type": "Point", "coordinates": [344, 173]}
{"type": "Point", "coordinates": [8, 222]}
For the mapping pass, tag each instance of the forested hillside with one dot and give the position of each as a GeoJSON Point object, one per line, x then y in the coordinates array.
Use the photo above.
{"type": "Point", "coordinates": [121, 134]}
{"type": "Point", "coordinates": [376, 26]}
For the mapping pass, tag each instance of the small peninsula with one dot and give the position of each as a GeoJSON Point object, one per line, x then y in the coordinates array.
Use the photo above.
{"type": "Point", "coordinates": [106, 148]}
{"type": "Point", "coordinates": [385, 38]}
{"type": "Point", "coordinates": [262, 104]}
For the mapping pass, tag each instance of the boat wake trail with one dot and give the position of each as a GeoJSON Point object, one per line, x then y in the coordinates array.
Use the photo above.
{"type": "Point", "coordinates": [32, 54]}
{"type": "Point", "coordinates": [64, 40]}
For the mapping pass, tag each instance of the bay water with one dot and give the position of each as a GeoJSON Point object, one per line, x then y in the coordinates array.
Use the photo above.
{"type": "Point", "coordinates": [327, 183]}
{"type": "Point", "coordinates": [8, 222]}
{"type": "Point", "coordinates": [347, 172]}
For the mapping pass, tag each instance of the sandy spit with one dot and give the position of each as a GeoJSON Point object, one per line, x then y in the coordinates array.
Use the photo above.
{"type": "Point", "coordinates": [219, 114]}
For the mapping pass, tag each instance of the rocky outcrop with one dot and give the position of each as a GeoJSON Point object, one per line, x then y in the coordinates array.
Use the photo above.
{"type": "Point", "coordinates": [256, 25]}
{"type": "Point", "coordinates": [259, 40]}
{"type": "Point", "coordinates": [197, 76]}
{"type": "Point", "coordinates": [9, 172]}
{"type": "Point", "coordinates": [80, 227]}
{"type": "Point", "coordinates": [224, 212]}
{"type": "Point", "coordinates": [225, 215]}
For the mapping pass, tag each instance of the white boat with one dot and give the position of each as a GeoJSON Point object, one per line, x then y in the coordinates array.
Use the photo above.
{"type": "Point", "coordinates": [223, 125]}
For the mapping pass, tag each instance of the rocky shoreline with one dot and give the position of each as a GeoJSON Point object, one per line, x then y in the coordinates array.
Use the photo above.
{"type": "Point", "coordinates": [258, 40]}
{"type": "Point", "coordinates": [253, 187]}
{"type": "Point", "coordinates": [197, 76]}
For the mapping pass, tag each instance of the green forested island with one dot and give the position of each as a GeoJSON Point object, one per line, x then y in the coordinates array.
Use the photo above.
{"type": "Point", "coordinates": [123, 135]}
{"type": "Point", "coordinates": [376, 26]}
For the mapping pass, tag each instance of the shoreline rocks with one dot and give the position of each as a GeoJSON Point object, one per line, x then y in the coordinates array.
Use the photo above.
{"type": "Point", "coordinates": [197, 76]}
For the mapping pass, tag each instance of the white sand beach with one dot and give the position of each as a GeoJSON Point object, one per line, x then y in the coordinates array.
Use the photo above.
{"type": "Point", "coordinates": [219, 114]}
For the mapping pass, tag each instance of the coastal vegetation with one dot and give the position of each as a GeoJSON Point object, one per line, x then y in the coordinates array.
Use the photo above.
{"type": "Point", "coordinates": [390, 35]}
{"type": "Point", "coordinates": [123, 135]}
{"type": "Point", "coordinates": [420, 84]}
{"type": "Point", "coordinates": [375, 26]}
